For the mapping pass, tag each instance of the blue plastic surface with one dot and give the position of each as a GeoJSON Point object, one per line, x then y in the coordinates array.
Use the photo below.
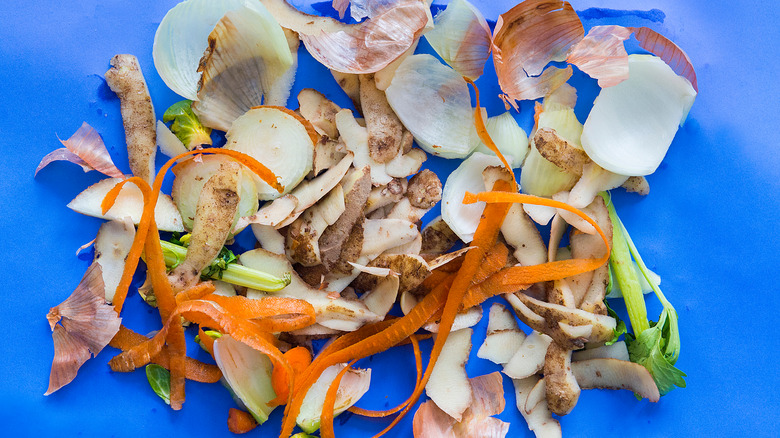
{"type": "Point", "coordinates": [708, 227]}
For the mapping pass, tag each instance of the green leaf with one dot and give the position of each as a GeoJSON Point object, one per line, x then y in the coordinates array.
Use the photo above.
{"type": "Point", "coordinates": [160, 381]}
{"type": "Point", "coordinates": [649, 350]}
{"type": "Point", "coordinates": [186, 125]}
{"type": "Point", "coordinates": [620, 328]}
{"type": "Point", "coordinates": [218, 266]}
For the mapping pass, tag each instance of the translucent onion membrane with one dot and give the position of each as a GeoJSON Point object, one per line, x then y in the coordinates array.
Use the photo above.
{"type": "Point", "coordinates": [247, 59]}
{"type": "Point", "coordinates": [356, 48]}
{"type": "Point", "coordinates": [247, 373]}
{"type": "Point", "coordinates": [508, 136]}
{"type": "Point", "coordinates": [526, 39]}
{"type": "Point", "coordinates": [461, 36]}
{"type": "Point", "coordinates": [276, 138]}
{"type": "Point", "coordinates": [192, 175]}
{"type": "Point", "coordinates": [353, 385]}
{"type": "Point", "coordinates": [85, 148]}
{"type": "Point", "coordinates": [82, 324]}
{"type": "Point", "coordinates": [602, 56]}
{"type": "Point", "coordinates": [433, 102]}
{"type": "Point", "coordinates": [477, 421]}
{"type": "Point", "coordinates": [181, 39]}
{"type": "Point", "coordinates": [539, 176]}
{"type": "Point", "coordinates": [631, 125]}
{"type": "Point", "coordinates": [464, 218]}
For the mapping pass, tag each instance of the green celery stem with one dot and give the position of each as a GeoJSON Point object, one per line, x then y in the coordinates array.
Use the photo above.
{"type": "Point", "coordinates": [234, 273]}
{"type": "Point", "coordinates": [625, 274]}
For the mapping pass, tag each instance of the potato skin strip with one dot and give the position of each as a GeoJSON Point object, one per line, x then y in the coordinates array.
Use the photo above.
{"type": "Point", "coordinates": [126, 80]}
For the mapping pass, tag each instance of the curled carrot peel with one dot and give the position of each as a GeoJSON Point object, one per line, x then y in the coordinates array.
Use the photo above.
{"type": "Point", "coordinates": [495, 259]}
{"type": "Point", "coordinates": [255, 166]}
{"type": "Point", "coordinates": [414, 339]}
{"type": "Point", "coordinates": [546, 271]}
{"type": "Point", "coordinates": [134, 255]}
{"type": "Point", "coordinates": [485, 237]}
{"type": "Point", "coordinates": [195, 370]}
{"type": "Point", "coordinates": [209, 314]}
{"type": "Point", "coordinates": [483, 133]}
{"type": "Point", "coordinates": [196, 292]}
{"type": "Point", "coordinates": [270, 314]}
{"type": "Point", "coordinates": [240, 421]}
{"type": "Point", "coordinates": [326, 418]}
{"type": "Point", "coordinates": [366, 341]}
{"type": "Point", "coordinates": [299, 358]}
{"type": "Point", "coordinates": [206, 340]}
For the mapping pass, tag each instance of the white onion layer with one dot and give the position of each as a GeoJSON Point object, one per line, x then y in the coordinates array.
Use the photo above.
{"type": "Point", "coordinates": [433, 102]}
{"type": "Point", "coordinates": [464, 218]}
{"type": "Point", "coordinates": [631, 126]}
{"type": "Point", "coordinates": [181, 38]}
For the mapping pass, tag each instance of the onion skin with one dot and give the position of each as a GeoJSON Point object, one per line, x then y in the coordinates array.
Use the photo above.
{"type": "Point", "coordinates": [526, 38]}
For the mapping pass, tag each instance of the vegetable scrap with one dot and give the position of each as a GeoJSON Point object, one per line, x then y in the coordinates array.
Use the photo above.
{"type": "Point", "coordinates": [337, 197]}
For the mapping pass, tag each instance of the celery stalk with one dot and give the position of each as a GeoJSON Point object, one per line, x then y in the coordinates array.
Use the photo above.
{"type": "Point", "coordinates": [234, 273]}
{"type": "Point", "coordinates": [625, 274]}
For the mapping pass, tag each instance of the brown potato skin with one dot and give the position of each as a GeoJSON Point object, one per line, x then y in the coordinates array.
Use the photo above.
{"type": "Point", "coordinates": [437, 238]}
{"type": "Point", "coordinates": [561, 386]}
{"type": "Point", "coordinates": [560, 152]}
{"type": "Point", "coordinates": [335, 236]}
{"type": "Point", "coordinates": [424, 190]}
{"type": "Point", "coordinates": [126, 80]}
{"type": "Point", "coordinates": [214, 215]}
{"type": "Point", "coordinates": [385, 131]}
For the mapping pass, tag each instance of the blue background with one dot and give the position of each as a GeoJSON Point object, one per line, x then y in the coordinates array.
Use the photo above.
{"type": "Point", "coordinates": [708, 227]}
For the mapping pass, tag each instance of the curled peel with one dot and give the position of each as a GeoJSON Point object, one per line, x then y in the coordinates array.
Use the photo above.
{"type": "Point", "coordinates": [85, 148]}
{"type": "Point", "coordinates": [526, 39]}
{"type": "Point", "coordinates": [602, 56]}
{"type": "Point", "coordinates": [360, 48]}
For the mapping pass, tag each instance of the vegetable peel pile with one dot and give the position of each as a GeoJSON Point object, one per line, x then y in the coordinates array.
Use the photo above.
{"type": "Point", "coordinates": [336, 199]}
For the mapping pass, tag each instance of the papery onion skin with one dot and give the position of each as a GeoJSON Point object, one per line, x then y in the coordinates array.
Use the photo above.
{"type": "Point", "coordinates": [361, 48]}
{"type": "Point", "coordinates": [602, 55]}
{"type": "Point", "coordinates": [461, 36]}
{"type": "Point", "coordinates": [662, 47]}
{"type": "Point", "coordinates": [85, 148]}
{"type": "Point", "coordinates": [434, 104]}
{"type": "Point", "coordinates": [82, 324]}
{"type": "Point", "coordinates": [526, 38]}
